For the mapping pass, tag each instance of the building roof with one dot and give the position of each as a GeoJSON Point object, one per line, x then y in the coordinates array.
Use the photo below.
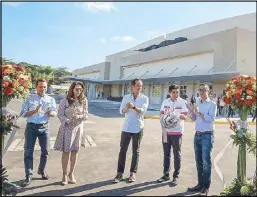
{"type": "Point", "coordinates": [211, 77]}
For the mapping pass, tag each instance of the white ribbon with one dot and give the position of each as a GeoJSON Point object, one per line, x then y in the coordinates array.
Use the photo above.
{"type": "Point", "coordinates": [241, 124]}
{"type": "Point", "coordinates": [10, 139]}
{"type": "Point", "coordinates": [217, 159]}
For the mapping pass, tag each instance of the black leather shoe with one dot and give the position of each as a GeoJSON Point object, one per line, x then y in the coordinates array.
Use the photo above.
{"type": "Point", "coordinates": [44, 175]}
{"type": "Point", "coordinates": [174, 181]}
{"type": "Point", "coordinates": [164, 178]}
{"type": "Point", "coordinates": [118, 178]}
{"type": "Point", "coordinates": [196, 188]}
{"type": "Point", "coordinates": [204, 192]}
{"type": "Point", "coordinates": [27, 181]}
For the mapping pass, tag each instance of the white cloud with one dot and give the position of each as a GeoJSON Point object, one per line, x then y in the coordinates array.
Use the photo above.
{"type": "Point", "coordinates": [99, 6]}
{"type": "Point", "coordinates": [13, 4]}
{"type": "Point", "coordinates": [122, 38]}
{"type": "Point", "coordinates": [102, 40]}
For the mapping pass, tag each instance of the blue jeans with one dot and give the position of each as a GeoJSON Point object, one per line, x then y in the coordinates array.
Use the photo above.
{"type": "Point", "coordinates": [33, 132]}
{"type": "Point", "coordinates": [203, 146]}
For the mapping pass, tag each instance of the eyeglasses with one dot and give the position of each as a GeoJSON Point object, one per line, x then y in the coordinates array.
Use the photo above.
{"type": "Point", "coordinates": [78, 89]}
{"type": "Point", "coordinates": [202, 90]}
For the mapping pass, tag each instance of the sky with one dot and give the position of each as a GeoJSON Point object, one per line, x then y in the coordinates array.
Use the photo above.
{"type": "Point", "coordinates": [75, 35]}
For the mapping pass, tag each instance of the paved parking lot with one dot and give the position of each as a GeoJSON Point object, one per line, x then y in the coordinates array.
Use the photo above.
{"type": "Point", "coordinates": [97, 164]}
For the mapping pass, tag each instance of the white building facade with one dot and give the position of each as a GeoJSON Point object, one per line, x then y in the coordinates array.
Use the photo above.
{"type": "Point", "coordinates": [208, 53]}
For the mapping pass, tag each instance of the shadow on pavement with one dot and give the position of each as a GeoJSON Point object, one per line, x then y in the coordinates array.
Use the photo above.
{"type": "Point", "coordinates": [186, 193]}
{"type": "Point", "coordinates": [23, 189]}
{"type": "Point", "coordinates": [68, 191]}
{"type": "Point", "coordinates": [124, 191]}
{"type": "Point", "coordinates": [128, 190]}
{"type": "Point", "coordinates": [104, 111]}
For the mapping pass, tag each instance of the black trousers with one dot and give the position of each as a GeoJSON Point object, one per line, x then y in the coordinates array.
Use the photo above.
{"type": "Point", "coordinates": [175, 142]}
{"type": "Point", "coordinates": [124, 143]}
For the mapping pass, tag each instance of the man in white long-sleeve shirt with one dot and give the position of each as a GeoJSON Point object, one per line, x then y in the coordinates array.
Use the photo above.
{"type": "Point", "coordinates": [134, 106]}
{"type": "Point", "coordinates": [172, 135]}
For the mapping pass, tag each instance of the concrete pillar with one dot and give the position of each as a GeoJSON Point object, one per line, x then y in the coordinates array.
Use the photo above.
{"type": "Point", "coordinates": [120, 90]}
{"type": "Point", "coordinates": [91, 91]}
{"type": "Point", "coordinates": [149, 91]}
{"type": "Point", "coordinates": [194, 90]}
{"type": "Point", "coordinates": [161, 93]}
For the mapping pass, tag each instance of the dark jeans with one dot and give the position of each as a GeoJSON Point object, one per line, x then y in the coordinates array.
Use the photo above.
{"type": "Point", "coordinates": [203, 146]}
{"type": "Point", "coordinates": [175, 142]}
{"type": "Point", "coordinates": [254, 115]}
{"type": "Point", "coordinates": [230, 112]}
{"type": "Point", "coordinates": [218, 110]}
{"type": "Point", "coordinates": [33, 132]}
{"type": "Point", "coordinates": [124, 143]}
{"type": "Point", "coordinates": [221, 110]}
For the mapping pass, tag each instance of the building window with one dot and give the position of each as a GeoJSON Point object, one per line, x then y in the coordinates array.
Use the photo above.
{"type": "Point", "coordinates": [156, 90]}
{"type": "Point", "coordinates": [126, 89]}
{"type": "Point", "coordinates": [183, 90]}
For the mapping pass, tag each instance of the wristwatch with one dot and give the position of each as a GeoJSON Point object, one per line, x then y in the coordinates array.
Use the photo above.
{"type": "Point", "coordinates": [134, 107]}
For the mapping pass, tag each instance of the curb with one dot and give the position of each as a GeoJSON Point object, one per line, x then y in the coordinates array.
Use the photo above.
{"type": "Point", "coordinates": [216, 122]}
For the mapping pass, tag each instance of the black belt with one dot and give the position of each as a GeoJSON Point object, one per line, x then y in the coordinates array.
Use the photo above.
{"type": "Point", "coordinates": [203, 132]}
{"type": "Point", "coordinates": [38, 124]}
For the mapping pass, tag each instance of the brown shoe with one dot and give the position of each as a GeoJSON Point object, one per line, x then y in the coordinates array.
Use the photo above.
{"type": "Point", "coordinates": [204, 192]}
{"type": "Point", "coordinates": [132, 178]}
{"type": "Point", "coordinates": [196, 188]}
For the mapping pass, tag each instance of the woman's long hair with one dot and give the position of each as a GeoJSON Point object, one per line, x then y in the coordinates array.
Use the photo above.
{"type": "Point", "coordinates": [70, 95]}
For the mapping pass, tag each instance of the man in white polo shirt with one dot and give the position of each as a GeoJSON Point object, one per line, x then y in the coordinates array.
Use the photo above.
{"type": "Point", "coordinates": [134, 106]}
{"type": "Point", "coordinates": [172, 115]}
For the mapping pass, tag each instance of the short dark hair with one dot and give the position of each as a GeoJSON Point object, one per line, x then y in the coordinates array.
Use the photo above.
{"type": "Point", "coordinates": [133, 83]}
{"type": "Point", "coordinates": [204, 86]}
{"type": "Point", "coordinates": [172, 87]}
{"type": "Point", "coordinates": [40, 80]}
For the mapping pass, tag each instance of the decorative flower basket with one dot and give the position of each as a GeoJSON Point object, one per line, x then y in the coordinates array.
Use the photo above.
{"type": "Point", "coordinates": [15, 83]}
{"type": "Point", "coordinates": [240, 94]}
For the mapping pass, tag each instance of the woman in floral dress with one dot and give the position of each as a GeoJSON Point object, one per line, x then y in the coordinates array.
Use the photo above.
{"type": "Point", "coordinates": [73, 110]}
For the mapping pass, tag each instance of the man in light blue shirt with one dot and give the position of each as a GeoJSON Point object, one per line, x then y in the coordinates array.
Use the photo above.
{"type": "Point", "coordinates": [203, 113]}
{"type": "Point", "coordinates": [37, 108]}
{"type": "Point", "coordinates": [134, 106]}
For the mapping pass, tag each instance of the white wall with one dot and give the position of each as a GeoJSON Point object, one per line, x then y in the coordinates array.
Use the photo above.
{"type": "Point", "coordinates": [184, 64]}
{"type": "Point", "coordinates": [93, 75]}
{"type": "Point", "coordinates": [218, 88]}
{"type": "Point", "coordinates": [246, 52]}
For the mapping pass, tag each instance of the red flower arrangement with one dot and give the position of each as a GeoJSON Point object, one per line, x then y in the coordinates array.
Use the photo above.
{"type": "Point", "coordinates": [241, 93]}
{"type": "Point", "coordinates": [15, 82]}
